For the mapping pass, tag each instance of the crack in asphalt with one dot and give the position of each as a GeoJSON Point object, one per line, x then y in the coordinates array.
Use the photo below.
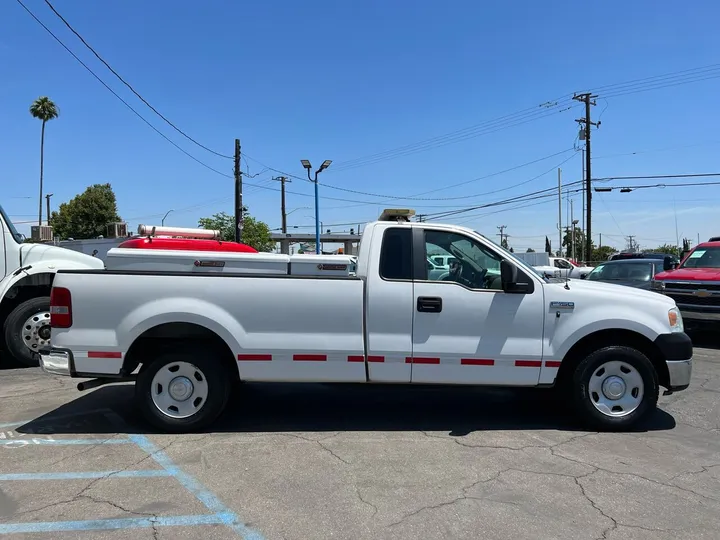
{"type": "Point", "coordinates": [359, 496]}
{"type": "Point", "coordinates": [554, 451]}
{"type": "Point", "coordinates": [319, 442]}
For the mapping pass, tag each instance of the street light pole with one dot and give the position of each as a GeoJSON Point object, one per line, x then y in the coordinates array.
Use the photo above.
{"type": "Point", "coordinates": [162, 222]}
{"type": "Point", "coordinates": [308, 167]}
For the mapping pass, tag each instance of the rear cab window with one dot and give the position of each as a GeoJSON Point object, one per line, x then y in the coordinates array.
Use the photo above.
{"type": "Point", "coordinates": [396, 254]}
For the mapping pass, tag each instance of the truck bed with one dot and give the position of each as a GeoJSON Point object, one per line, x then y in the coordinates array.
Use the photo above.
{"type": "Point", "coordinates": [276, 329]}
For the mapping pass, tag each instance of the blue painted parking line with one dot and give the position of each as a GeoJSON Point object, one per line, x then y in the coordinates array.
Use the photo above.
{"type": "Point", "coordinates": [62, 442]}
{"type": "Point", "coordinates": [210, 501]}
{"type": "Point", "coordinates": [220, 514]}
{"type": "Point", "coordinates": [108, 524]}
{"type": "Point", "coordinates": [85, 475]}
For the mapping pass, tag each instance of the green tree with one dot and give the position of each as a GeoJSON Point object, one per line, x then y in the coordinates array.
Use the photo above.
{"type": "Point", "coordinates": [504, 243]}
{"type": "Point", "coordinates": [87, 215]}
{"type": "Point", "coordinates": [43, 109]}
{"type": "Point", "coordinates": [666, 248]}
{"type": "Point", "coordinates": [579, 243]}
{"type": "Point", "coordinates": [530, 250]}
{"type": "Point", "coordinates": [255, 232]}
{"type": "Point", "coordinates": [602, 253]}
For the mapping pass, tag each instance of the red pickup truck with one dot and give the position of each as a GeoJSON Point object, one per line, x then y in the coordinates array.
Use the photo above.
{"type": "Point", "coordinates": [695, 284]}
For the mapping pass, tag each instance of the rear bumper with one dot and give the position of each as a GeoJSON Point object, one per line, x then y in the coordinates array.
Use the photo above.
{"type": "Point", "coordinates": [57, 362]}
{"type": "Point", "coordinates": [677, 349]}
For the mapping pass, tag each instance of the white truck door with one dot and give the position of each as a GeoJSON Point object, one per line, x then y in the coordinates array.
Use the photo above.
{"type": "Point", "coordinates": [389, 307]}
{"type": "Point", "coordinates": [466, 330]}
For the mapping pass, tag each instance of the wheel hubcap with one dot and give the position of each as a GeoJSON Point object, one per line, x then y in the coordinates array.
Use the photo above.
{"type": "Point", "coordinates": [179, 389]}
{"type": "Point", "coordinates": [36, 331]}
{"type": "Point", "coordinates": [613, 387]}
{"type": "Point", "coordinates": [616, 389]}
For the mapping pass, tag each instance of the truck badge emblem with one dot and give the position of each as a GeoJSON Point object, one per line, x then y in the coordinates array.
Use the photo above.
{"type": "Point", "coordinates": [562, 305]}
{"type": "Point", "coordinates": [702, 293]}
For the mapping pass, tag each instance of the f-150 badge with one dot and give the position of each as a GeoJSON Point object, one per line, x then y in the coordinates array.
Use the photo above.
{"type": "Point", "coordinates": [562, 305]}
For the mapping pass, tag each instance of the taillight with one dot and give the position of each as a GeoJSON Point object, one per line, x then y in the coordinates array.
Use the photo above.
{"type": "Point", "coordinates": [60, 308]}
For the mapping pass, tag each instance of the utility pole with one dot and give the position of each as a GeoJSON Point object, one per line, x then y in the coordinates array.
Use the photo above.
{"type": "Point", "coordinates": [588, 99]}
{"type": "Point", "coordinates": [282, 180]}
{"type": "Point", "coordinates": [502, 228]}
{"type": "Point", "coordinates": [238, 194]}
{"type": "Point", "coordinates": [582, 221]}
{"type": "Point", "coordinates": [47, 201]}
{"type": "Point", "coordinates": [559, 211]}
{"type": "Point", "coordinates": [600, 239]}
{"type": "Point", "coordinates": [572, 236]}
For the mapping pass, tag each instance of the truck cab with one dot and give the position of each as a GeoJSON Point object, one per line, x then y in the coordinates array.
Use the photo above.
{"type": "Point", "coordinates": [26, 274]}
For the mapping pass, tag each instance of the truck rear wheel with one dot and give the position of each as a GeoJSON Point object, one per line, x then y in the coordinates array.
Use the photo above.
{"type": "Point", "coordinates": [615, 387]}
{"type": "Point", "coordinates": [27, 330]}
{"type": "Point", "coordinates": [182, 391]}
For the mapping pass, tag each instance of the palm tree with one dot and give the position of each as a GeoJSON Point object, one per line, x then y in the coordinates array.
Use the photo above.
{"type": "Point", "coordinates": [44, 109]}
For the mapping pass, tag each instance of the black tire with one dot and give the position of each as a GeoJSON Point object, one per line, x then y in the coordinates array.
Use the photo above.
{"type": "Point", "coordinates": [213, 372]}
{"type": "Point", "coordinates": [13, 329]}
{"type": "Point", "coordinates": [584, 398]}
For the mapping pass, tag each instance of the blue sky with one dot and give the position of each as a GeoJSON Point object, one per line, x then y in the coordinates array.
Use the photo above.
{"type": "Point", "coordinates": [342, 80]}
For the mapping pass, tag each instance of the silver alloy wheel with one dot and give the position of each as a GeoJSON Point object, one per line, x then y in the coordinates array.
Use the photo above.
{"type": "Point", "coordinates": [36, 331]}
{"type": "Point", "coordinates": [179, 389]}
{"type": "Point", "coordinates": [616, 389]}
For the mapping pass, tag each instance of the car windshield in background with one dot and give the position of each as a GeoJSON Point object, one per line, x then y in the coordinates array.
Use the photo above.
{"type": "Point", "coordinates": [625, 271]}
{"type": "Point", "coordinates": [703, 258]}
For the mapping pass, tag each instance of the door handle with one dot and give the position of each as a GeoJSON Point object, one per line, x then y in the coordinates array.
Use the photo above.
{"type": "Point", "coordinates": [429, 304]}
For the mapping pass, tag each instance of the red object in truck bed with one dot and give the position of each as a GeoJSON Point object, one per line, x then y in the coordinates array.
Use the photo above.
{"type": "Point", "coordinates": [186, 244]}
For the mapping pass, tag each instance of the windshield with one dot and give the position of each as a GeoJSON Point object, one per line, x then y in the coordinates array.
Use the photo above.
{"type": "Point", "coordinates": [703, 257]}
{"type": "Point", "coordinates": [635, 271]}
{"type": "Point", "coordinates": [519, 263]}
{"type": "Point", "coordinates": [13, 231]}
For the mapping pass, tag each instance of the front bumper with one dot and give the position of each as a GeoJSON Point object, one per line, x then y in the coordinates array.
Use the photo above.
{"type": "Point", "coordinates": [57, 362]}
{"type": "Point", "coordinates": [677, 349]}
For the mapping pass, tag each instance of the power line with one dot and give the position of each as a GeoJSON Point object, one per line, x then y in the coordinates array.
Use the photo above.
{"type": "Point", "coordinates": [418, 198]}
{"type": "Point", "coordinates": [188, 137]}
{"type": "Point", "coordinates": [83, 64]}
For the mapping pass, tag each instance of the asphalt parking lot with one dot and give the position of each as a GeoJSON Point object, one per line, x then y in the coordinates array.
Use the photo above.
{"type": "Point", "coordinates": [316, 462]}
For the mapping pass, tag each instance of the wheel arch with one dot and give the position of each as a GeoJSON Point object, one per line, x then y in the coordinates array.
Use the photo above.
{"type": "Point", "coordinates": [173, 335]}
{"type": "Point", "coordinates": [609, 337]}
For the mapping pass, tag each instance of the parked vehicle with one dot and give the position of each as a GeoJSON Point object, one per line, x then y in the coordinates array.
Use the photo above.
{"type": "Point", "coordinates": [184, 337]}
{"type": "Point", "coordinates": [669, 261]}
{"type": "Point", "coordinates": [26, 276]}
{"type": "Point", "coordinates": [695, 284]}
{"type": "Point", "coordinates": [637, 273]}
{"type": "Point", "coordinates": [568, 268]}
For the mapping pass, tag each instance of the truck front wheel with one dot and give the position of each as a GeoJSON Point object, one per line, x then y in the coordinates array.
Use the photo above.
{"type": "Point", "coordinates": [615, 387]}
{"type": "Point", "coordinates": [182, 391]}
{"type": "Point", "coordinates": [27, 330]}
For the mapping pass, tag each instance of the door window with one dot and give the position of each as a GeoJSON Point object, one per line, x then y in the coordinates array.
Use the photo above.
{"type": "Point", "coordinates": [396, 254]}
{"type": "Point", "coordinates": [470, 263]}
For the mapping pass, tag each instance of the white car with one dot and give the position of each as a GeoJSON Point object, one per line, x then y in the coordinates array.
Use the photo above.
{"type": "Point", "coordinates": [184, 337]}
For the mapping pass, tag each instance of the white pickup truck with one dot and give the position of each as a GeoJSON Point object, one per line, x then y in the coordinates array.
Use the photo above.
{"type": "Point", "coordinates": [185, 337]}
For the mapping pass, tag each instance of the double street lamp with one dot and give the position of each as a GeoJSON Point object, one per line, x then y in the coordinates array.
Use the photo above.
{"type": "Point", "coordinates": [325, 165]}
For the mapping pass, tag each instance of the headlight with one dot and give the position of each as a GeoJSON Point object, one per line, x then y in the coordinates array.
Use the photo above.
{"type": "Point", "coordinates": [675, 320]}
{"type": "Point", "coordinates": [658, 286]}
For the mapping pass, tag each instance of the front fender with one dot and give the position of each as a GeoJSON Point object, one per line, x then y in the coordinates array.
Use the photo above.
{"type": "Point", "coordinates": [565, 331]}
{"type": "Point", "coordinates": [37, 273]}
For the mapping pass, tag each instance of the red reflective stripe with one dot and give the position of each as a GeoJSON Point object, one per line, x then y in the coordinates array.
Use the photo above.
{"type": "Point", "coordinates": [421, 360]}
{"type": "Point", "coordinates": [369, 358]}
{"type": "Point", "coordinates": [104, 354]}
{"type": "Point", "coordinates": [528, 363]}
{"type": "Point", "coordinates": [309, 357]}
{"type": "Point", "coordinates": [552, 363]}
{"type": "Point", "coordinates": [477, 362]}
{"type": "Point", "coordinates": [254, 357]}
